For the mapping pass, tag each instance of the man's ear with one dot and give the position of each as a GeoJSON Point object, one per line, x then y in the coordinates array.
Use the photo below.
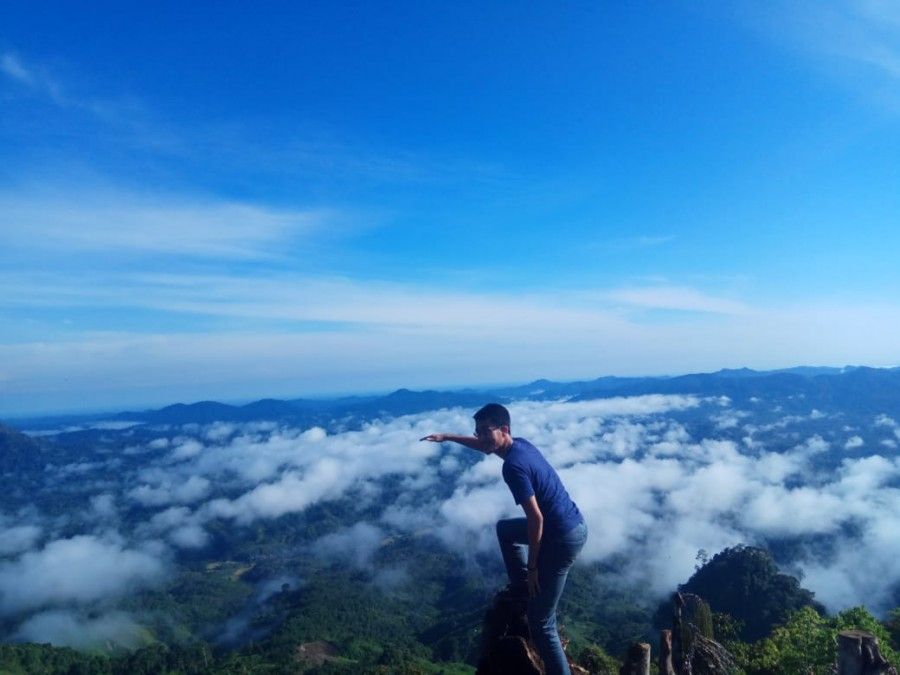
{"type": "Point", "coordinates": [504, 429]}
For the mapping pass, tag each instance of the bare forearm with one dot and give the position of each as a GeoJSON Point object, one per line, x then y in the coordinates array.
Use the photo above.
{"type": "Point", "coordinates": [468, 441]}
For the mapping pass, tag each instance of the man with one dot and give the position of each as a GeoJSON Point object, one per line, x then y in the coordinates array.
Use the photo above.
{"type": "Point", "coordinates": [553, 529]}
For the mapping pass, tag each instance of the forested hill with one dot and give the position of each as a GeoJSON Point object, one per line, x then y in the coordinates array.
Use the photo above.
{"type": "Point", "coordinates": [768, 623]}
{"type": "Point", "coordinates": [18, 452]}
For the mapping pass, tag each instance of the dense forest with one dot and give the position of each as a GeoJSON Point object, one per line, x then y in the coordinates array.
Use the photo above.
{"type": "Point", "coordinates": [344, 625]}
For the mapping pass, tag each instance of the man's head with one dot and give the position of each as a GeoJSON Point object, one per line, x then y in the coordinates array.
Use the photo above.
{"type": "Point", "coordinates": [492, 426]}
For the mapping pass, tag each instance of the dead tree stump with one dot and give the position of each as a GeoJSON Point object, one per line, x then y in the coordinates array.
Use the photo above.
{"type": "Point", "coordinates": [665, 653]}
{"type": "Point", "coordinates": [510, 654]}
{"type": "Point", "coordinates": [693, 651]}
{"type": "Point", "coordinates": [506, 646]}
{"type": "Point", "coordinates": [858, 654]}
{"type": "Point", "coordinates": [637, 660]}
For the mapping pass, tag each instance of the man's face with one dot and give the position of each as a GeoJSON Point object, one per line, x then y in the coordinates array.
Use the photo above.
{"type": "Point", "coordinates": [490, 435]}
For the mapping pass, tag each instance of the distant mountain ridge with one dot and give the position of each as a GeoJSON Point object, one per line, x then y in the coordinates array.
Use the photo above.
{"type": "Point", "coordinates": [868, 389]}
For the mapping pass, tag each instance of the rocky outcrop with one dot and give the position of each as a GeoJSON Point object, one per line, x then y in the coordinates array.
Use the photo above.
{"type": "Point", "coordinates": [506, 640]}
{"type": "Point", "coordinates": [506, 647]}
{"type": "Point", "coordinates": [858, 654]}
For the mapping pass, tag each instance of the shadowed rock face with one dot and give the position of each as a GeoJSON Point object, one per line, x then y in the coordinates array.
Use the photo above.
{"type": "Point", "coordinates": [858, 654]}
{"type": "Point", "coordinates": [506, 646]}
{"type": "Point", "coordinates": [506, 641]}
{"type": "Point", "coordinates": [510, 655]}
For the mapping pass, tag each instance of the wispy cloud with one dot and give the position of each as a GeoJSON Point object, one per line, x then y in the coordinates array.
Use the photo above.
{"type": "Point", "coordinates": [676, 298]}
{"type": "Point", "coordinates": [314, 154]}
{"type": "Point", "coordinates": [11, 66]}
{"type": "Point", "coordinates": [861, 32]}
{"type": "Point", "coordinates": [31, 77]}
{"type": "Point", "coordinates": [40, 81]}
{"type": "Point", "coordinates": [310, 298]}
{"type": "Point", "coordinates": [341, 334]}
{"type": "Point", "coordinates": [868, 31]}
{"type": "Point", "coordinates": [116, 220]}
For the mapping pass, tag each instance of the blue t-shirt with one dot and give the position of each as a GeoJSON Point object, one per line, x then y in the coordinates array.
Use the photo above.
{"type": "Point", "coordinates": [527, 473]}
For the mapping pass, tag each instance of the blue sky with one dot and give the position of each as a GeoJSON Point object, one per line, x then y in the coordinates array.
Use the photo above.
{"type": "Point", "coordinates": [319, 197]}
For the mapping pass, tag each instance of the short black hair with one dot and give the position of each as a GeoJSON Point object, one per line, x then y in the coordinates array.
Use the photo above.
{"type": "Point", "coordinates": [493, 413]}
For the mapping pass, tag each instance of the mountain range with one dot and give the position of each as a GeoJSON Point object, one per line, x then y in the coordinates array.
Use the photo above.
{"type": "Point", "coordinates": [861, 388]}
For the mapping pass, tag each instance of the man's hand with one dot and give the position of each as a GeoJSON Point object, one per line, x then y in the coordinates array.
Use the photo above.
{"type": "Point", "coordinates": [435, 438]}
{"type": "Point", "coordinates": [534, 588]}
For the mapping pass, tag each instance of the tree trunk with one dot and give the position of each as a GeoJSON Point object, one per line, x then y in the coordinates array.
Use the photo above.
{"type": "Point", "coordinates": [637, 660]}
{"type": "Point", "coordinates": [665, 653]}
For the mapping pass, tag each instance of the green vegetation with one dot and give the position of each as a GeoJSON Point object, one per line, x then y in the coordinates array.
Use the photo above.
{"type": "Point", "coordinates": [598, 661]}
{"type": "Point", "coordinates": [805, 643]}
{"type": "Point", "coordinates": [341, 621]}
{"type": "Point", "coordinates": [744, 583]}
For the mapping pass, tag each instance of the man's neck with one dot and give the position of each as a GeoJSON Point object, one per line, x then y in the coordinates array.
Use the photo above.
{"type": "Point", "coordinates": [503, 450]}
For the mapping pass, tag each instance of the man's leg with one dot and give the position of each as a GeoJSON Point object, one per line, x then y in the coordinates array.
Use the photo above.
{"type": "Point", "coordinates": [556, 557]}
{"type": "Point", "coordinates": [513, 537]}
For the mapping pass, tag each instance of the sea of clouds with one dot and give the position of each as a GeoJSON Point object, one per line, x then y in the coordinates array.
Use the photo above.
{"type": "Point", "coordinates": [653, 494]}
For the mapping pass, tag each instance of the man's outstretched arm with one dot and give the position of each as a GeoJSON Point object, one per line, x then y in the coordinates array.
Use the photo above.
{"type": "Point", "coordinates": [468, 441]}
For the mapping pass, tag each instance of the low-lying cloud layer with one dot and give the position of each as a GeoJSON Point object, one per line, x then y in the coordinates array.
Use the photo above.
{"type": "Point", "coordinates": [657, 477]}
{"type": "Point", "coordinates": [78, 570]}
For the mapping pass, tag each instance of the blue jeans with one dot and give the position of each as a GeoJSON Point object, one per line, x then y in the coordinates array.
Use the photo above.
{"type": "Point", "coordinates": [555, 557]}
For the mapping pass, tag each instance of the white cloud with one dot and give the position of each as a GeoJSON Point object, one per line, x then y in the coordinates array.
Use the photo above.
{"type": "Point", "coordinates": [174, 516]}
{"type": "Point", "coordinates": [861, 571]}
{"type": "Point", "coordinates": [103, 506]}
{"type": "Point", "coordinates": [356, 545]}
{"type": "Point", "coordinates": [63, 628]}
{"type": "Point", "coordinates": [191, 490]}
{"type": "Point", "coordinates": [80, 569]}
{"type": "Point", "coordinates": [775, 510]}
{"type": "Point", "coordinates": [13, 67]}
{"type": "Point", "coordinates": [189, 536]}
{"type": "Point", "coordinates": [853, 443]}
{"type": "Point", "coordinates": [18, 538]}
{"type": "Point", "coordinates": [471, 513]}
{"type": "Point", "coordinates": [730, 419]}
{"type": "Point", "coordinates": [186, 449]}
{"type": "Point", "coordinates": [292, 493]}
{"type": "Point", "coordinates": [389, 335]}
{"type": "Point", "coordinates": [675, 298]}
{"type": "Point", "coordinates": [219, 431]}
{"type": "Point", "coordinates": [650, 492]}
{"type": "Point", "coordinates": [116, 221]}
{"type": "Point", "coordinates": [31, 77]}
{"type": "Point", "coordinates": [885, 421]}
{"type": "Point", "coordinates": [813, 445]}
{"type": "Point", "coordinates": [863, 34]}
